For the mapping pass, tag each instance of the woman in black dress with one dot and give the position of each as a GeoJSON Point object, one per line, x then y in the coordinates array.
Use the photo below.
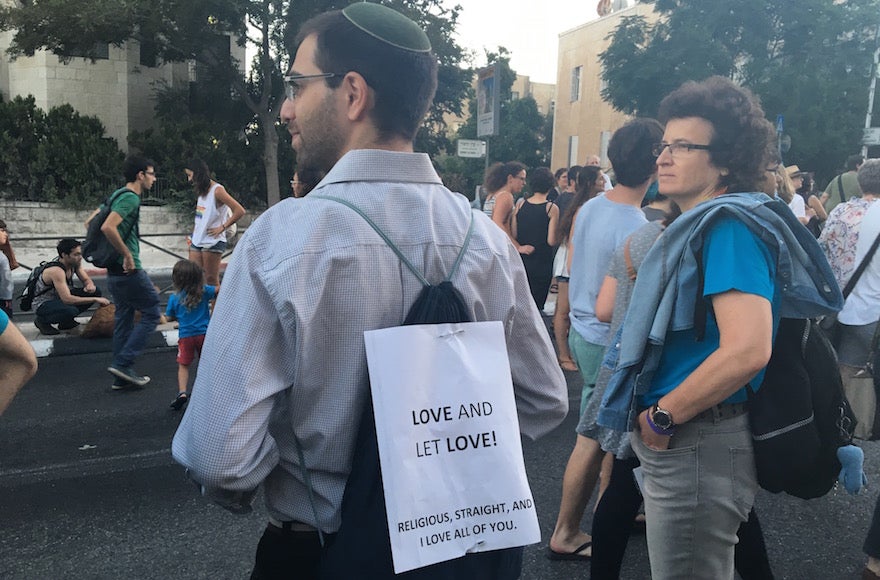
{"type": "Point", "coordinates": [534, 224]}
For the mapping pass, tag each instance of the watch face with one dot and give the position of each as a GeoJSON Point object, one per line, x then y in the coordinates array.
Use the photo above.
{"type": "Point", "coordinates": [662, 419]}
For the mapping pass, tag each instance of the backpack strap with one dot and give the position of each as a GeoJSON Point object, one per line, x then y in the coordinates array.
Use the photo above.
{"type": "Point", "coordinates": [627, 258]}
{"type": "Point", "coordinates": [396, 250]}
{"type": "Point", "coordinates": [840, 188]}
{"type": "Point", "coordinates": [853, 280]}
{"type": "Point", "coordinates": [109, 203]}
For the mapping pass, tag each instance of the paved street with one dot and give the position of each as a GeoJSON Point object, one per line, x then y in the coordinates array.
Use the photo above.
{"type": "Point", "coordinates": [88, 491]}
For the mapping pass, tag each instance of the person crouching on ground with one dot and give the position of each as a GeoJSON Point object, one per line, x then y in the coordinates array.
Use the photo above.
{"type": "Point", "coordinates": [56, 299]}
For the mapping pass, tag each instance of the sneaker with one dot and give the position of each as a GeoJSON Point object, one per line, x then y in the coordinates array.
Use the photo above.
{"type": "Point", "coordinates": [68, 325]}
{"type": "Point", "coordinates": [121, 385]}
{"type": "Point", "coordinates": [46, 328]}
{"type": "Point", "coordinates": [126, 374]}
{"type": "Point", "coordinates": [181, 400]}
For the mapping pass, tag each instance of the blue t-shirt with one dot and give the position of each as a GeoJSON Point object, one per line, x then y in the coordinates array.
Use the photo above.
{"type": "Point", "coordinates": [733, 259]}
{"type": "Point", "coordinates": [192, 322]}
{"type": "Point", "coordinates": [4, 322]}
{"type": "Point", "coordinates": [601, 226]}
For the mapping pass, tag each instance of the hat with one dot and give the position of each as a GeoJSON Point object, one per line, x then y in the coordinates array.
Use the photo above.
{"type": "Point", "coordinates": [388, 26]}
{"type": "Point", "coordinates": [794, 171]}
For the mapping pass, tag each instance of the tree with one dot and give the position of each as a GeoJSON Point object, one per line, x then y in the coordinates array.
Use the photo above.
{"type": "Point", "coordinates": [200, 31]}
{"type": "Point", "coordinates": [808, 60]}
{"type": "Point", "coordinates": [56, 156]}
{"type": "Point", "coordinates": [523, 134]}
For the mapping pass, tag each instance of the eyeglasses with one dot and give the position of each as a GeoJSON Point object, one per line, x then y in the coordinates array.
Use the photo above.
{"type": "Point", "coordinates": [292, 89]}
{"type": "Point", "coordinates": [773, 170]}
{"type": "Point", "coordinates": [153, 173]}
{"type": "Point", "coordinates": [520, 177]}
{"type": "Point", "coordinates": [678, 149]}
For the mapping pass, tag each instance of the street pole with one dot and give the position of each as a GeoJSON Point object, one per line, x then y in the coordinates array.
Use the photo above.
{"type": "Point", "coordinates": [873, 88]}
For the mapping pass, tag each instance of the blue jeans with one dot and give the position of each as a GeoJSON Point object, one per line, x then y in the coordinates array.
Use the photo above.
{"type": "Point", "coordinates": [132, 292]}
{"type": "Point", "coordinates": [697, 493]}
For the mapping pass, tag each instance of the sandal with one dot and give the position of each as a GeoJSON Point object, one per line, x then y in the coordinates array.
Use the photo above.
{"type": "Point", "coordinates": [180, 401]}
{"type": "Point", "coordinates": [568, 365]}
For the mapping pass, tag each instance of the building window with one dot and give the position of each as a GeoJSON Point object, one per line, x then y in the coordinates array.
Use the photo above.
{"type": "Point", "coordinates": [572, 150]}
{"type": "Point", "coordinates": [100, 51]}
{"type": "Point", "coordinates": [576, 83]}
{"type": "Point", "coordinates": [514, 95]}
{"type": "Point", "coordinates": [149, 53]}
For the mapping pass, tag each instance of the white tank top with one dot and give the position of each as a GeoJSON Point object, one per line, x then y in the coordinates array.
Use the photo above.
{"type": "Point", "coordinates": [208, 215]}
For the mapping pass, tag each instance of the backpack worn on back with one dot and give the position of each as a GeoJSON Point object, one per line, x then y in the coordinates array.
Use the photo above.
{"type": "Point", "coordinates": [800, 416]}
{"type": "Point", "coordinates": [361, 549]}
{"type": "Point", "coordinates": [26, 299]}
{"type": "Point", "coordinates": [96, 248]}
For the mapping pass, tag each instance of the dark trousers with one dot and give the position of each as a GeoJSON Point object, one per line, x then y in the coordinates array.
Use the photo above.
{"type": "Point", "coordinates": [55, 311]}
{"type": "Point", "coordinates": [287, 555]}
{"type": "Point", "coordinates": [872, 541]}
{"type": "Point", "coordinates": [613, 523]}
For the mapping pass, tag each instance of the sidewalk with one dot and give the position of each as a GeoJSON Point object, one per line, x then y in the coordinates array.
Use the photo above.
{"type": "Point", "coordinates": [70, 342]}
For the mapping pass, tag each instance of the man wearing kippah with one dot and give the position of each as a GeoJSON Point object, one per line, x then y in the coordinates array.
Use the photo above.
{"type": "Point", "coordinates": [283, 381]}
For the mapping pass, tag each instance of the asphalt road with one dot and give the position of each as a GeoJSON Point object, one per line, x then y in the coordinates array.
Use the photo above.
{"type": "Point", "coordinates": [88, 490]}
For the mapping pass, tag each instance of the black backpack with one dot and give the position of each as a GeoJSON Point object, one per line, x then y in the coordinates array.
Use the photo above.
{"type": "Point", "coordinates": [96, 248]}
{"type": "Point", "coordinates": [800, 415]}
{"type": "Point", "coordinates": [361, 549]}
{"type": "Point", "coordinates": [26, 299]}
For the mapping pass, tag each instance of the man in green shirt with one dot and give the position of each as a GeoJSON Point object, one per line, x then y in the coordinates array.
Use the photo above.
{"type": "Point", "coordinates": [129, 284]}
{"type": "Point", "coordinates": [845, 186]}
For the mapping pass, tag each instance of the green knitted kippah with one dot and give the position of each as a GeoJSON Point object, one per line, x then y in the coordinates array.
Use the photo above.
{"type": "Point", "coordinates": [388, 25]}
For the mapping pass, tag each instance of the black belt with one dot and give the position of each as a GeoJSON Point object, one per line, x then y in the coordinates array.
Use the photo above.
{"type": "Point", "coordinates": [721, 412]}
{"type": "Point", "coordinates": [291, 526]}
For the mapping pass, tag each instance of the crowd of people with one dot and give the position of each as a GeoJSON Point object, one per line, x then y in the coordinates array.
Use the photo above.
{"type": "Point", "coordinates": [671, 281]}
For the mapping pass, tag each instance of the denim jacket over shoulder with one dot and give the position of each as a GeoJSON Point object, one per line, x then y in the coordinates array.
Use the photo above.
{"type": "Point", "coordinates": [666, 289]}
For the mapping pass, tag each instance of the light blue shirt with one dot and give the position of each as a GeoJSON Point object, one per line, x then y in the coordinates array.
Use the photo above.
{"type": "Point", "coordinates": [601, 226]}
{"type": "Point", "coordinates": [284, 355]}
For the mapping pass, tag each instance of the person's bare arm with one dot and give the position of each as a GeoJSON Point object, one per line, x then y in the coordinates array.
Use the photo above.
{"type": "Point", "coordinates": [745, 324]}
{"type": "Point", "coordinates": [605, 299]}
{"type": "Point", "coordinates": [88, 284]}
{"type": "Point", "coordinates": [110, 230]}
{"type": "Point", "coordinates": [18, 364]}
{"type": "Point", "coordinates": [238, 211]}
{"type": "Point", "coordinates": [570, 245]}
{"type": "Point", "coordinates": [551, 227]}
{"type": "Point", "coordinates": [502, 215]}
{"type": "Point", "coordinates": [817, 207]}
{"type": "Point", "coordinates": [55, 277]}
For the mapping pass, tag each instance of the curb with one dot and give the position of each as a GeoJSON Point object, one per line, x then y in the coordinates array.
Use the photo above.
{"type": "Point", "coordinates": [72, 344]}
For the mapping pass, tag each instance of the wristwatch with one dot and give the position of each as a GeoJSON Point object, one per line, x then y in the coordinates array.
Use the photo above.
{"type": "Point", "coordinates": [662, 419]}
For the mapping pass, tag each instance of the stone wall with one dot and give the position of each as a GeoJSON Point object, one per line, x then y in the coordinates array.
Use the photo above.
{"type": "Point", "coordinates": [27, 220]}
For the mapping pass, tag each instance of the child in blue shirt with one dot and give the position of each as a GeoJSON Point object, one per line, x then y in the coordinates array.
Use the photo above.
{"type": "Point", "coordinates": [190, 305]}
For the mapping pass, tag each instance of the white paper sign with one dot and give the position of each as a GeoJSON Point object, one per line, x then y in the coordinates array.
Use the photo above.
{"type": "Point", "coordinates": [449, 442]}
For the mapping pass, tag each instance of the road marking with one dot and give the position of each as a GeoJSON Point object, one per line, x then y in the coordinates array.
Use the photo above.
{"type": "Point", "coordinates": [43, 346]}
{"type": "Point", "coordinates": [83, 467]}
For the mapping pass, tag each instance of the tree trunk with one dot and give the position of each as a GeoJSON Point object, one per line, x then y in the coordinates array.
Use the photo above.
{"type": "Point", "coordinates": [270, 157]}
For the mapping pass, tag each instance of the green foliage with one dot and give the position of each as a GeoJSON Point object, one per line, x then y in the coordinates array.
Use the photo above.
{"type": "Point", "coordinates": [59, 156]}
{"type": "Point", "coordinates": [808, 60]}
{"type": "Point", "coordinates": [182, 30]}
{"type": "Point", "coordinates": [524, 135]}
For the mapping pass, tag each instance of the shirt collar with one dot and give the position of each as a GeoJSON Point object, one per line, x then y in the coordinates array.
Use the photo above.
{"type": "Point", "coordinates": [382, 165]}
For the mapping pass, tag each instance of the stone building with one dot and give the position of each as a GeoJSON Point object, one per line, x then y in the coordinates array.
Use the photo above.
{"type": "Point", "coordinates": [583, 121]}
{"type": "Point", "coordinates": [118, 87]}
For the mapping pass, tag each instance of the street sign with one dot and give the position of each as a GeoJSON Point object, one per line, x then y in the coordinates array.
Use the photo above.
{"type": "Point", "coordinates": [871, 136]}
{"type": "Point", "coordinates": [471, 148]}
